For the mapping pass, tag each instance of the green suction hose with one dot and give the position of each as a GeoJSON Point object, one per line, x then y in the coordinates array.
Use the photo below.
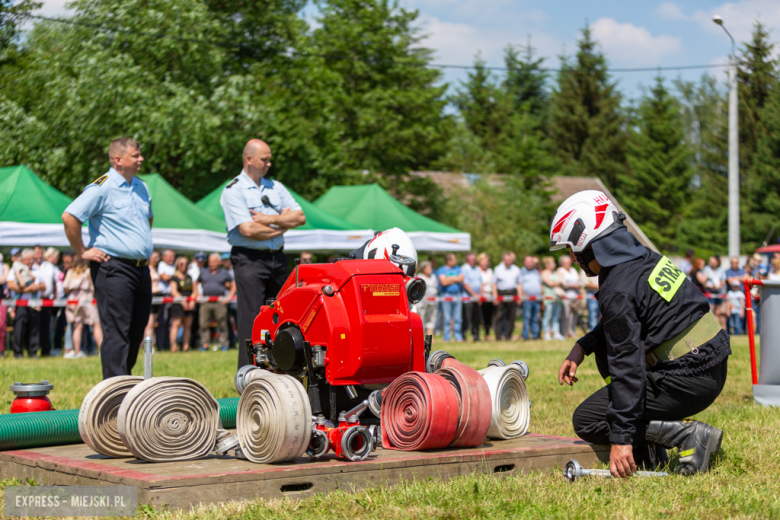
{"type": "Point", "coordinates": [39, 429]}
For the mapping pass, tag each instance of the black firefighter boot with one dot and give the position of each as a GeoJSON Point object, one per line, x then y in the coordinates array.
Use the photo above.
{"type": "Point", "coordinates": [695, 440]}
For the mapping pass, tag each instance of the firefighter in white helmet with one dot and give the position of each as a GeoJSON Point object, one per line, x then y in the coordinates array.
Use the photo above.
{"type": "Point", "coordinates": [658, 346]}
{"type": "Point", "coordinates": [393, 245]}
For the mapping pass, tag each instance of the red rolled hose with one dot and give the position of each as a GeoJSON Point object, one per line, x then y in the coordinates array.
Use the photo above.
{"type": "Point", "coordinates": [474, 400]}
{"type": "Point", "coordinates": [419, 412]}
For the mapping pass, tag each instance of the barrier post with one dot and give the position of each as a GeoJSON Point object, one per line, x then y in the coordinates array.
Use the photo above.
{"type": "Point", "coordinates": [751, 333]}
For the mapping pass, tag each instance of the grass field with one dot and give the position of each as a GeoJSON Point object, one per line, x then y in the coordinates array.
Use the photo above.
{"type": "Point", "coordinates": [744, 482]}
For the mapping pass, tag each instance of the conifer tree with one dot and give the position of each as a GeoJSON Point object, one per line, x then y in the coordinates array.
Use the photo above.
{"type": "Point", "coordinates": [765, 208]}
{"type": "Point", "coordinates": [655, 192]}
{"type": "Point", "coordinates": [705, 122]}
{"type": "Point", "coordinates": [484, 107]}
{"type": "Point", "coordinates": [757, 80]}
{"type": "Point", "coordinates": [586, 120]}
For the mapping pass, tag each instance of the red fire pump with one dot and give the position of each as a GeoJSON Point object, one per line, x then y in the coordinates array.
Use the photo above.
{"type": "Point", "coordinates": [344, 330]}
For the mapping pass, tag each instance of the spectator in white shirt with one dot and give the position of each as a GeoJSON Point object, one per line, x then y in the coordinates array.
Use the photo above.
{"type": "Point", "coordinates": [507, 285]}
{"type": "Point", "coordinates": [716, 285]}
{"type": "Point", "coordinates": [166, 271]}
{"type": "Point", "coordinates": [426, 308]}
{"type": "Point", "coordinates": [488, 284]}
{"type": "Point", "coordinates": [26, 321]}
{"type": "Point", "coordinates": [472, 283]}
{"type": "Point", "coordinates": [572, 308]}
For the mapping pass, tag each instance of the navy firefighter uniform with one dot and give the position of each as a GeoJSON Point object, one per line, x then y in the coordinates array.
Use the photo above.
{"type": "Point", "coordinates": [260, 266]}
{"type": "Point", "coordinates": [118, 213]}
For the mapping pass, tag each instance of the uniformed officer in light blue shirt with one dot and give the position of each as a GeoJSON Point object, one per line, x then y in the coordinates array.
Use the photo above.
{"type": "Point", "coordinates": [258, 211]}
{"type": "Point", "coordinates": [118, 207]}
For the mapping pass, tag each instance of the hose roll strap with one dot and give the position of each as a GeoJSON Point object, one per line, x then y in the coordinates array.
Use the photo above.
{"type": "Point", "coordinates": [166, 419]}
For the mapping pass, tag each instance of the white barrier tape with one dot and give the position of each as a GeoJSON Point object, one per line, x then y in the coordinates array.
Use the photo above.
{"type": "Point", "coordinates": [511, 408]}
{"type": "Point", "coordinates": [273, 421]}
{"type": "Point", "coordinates": [98, 413]}
{"type": "Point", "coordinates": [165, 419]}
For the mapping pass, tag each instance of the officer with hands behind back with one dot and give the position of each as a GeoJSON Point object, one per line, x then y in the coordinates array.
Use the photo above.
{"type": "Point", "coordinates": [658, 346]}
{"type": "Point", "coordinates": [119, 209]}
{"type": "Point", "coordinates": [258, 211]}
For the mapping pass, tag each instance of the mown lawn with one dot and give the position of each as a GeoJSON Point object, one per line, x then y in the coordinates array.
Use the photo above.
{"type": "Point", "coordinates": [743, 483]}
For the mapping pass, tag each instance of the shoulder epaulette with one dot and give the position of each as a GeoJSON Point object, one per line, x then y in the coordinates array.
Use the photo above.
{"type": "Point", "coordinates": [231, 183]}
{"type": "Point", "coordinates": [100, 180]}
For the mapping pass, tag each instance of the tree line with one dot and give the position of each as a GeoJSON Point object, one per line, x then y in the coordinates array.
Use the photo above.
{"type": "Point", "coordinates": [353, 98]}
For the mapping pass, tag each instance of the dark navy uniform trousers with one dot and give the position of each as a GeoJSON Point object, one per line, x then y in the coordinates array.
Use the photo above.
{"type": "Point", "coordinates": [124, 299]}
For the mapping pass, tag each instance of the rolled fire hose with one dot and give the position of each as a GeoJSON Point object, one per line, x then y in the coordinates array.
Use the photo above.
{"type": "Point", "coordinates": [474, 403]}
{"type": "Point", "coordinates": [510, 411]}
{"type": "Point", "coordinates": [274, 419]}
{"type": "Point", "coordinates": [165, 419]}
{"type": "Point", "coordinates": [98, 415]}
{"type": "Point", "coordinates": [40, 429]}
{"type": "Point", "coordinates": [419, 412]}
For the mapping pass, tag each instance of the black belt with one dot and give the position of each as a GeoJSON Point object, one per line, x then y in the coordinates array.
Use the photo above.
{"type": "Point", "coordinates": [134, 263]}
{"type": "Point", "coordinates": [247, 250]}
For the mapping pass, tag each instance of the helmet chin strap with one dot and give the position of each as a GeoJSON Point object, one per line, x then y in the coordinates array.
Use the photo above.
{"type": "Point", "coordinates": [583, 260]}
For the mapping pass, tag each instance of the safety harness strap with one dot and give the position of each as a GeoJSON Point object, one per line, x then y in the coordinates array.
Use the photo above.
{"type": "Point", "coordinates": [689, 340]}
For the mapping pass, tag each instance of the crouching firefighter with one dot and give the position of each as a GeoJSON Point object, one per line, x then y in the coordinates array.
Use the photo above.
{"type": "Point", "coordinates": [658, 346]}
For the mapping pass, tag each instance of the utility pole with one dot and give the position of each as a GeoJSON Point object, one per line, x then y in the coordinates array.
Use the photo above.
{"type": "Point", "coordinates": [734, 241]}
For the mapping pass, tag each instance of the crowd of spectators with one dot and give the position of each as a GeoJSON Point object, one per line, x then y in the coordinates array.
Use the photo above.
{"type": "Point", "coordinates": [724, 287]}
{"type": "Point", "coordinates": [73, 331]}
{"type": "Point", "coordinates": [552, 299]}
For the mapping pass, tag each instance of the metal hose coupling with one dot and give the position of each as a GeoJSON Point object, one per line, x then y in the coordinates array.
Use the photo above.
{"type": "Point", "coordinates": [248, 373]}
{"type": "Point", "coordinates": [273, 421]}
{"type": "Point", "coordinates": [573, 471]}
{"type": "Point", "coordinates": [521, 366]}
{"type": "Point", "coordinates": [356, 443]}
{"type": "Point", "coordinates": [166, 419]}
{"type": "Point", "coordinates": [510, 410]}
{"type": "Point", "coordinates": [435, 360]}
{"type": "Point", "coordinates": [98, 415]}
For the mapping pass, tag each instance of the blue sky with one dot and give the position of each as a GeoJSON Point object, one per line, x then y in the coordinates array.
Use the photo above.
{"type": "Point", "coordinates": [631, 33]}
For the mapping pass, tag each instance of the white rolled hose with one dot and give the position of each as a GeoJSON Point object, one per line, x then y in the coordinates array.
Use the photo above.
{"type": "Point", "coordinates": [98, 415]}
{"type": "Point", "coordinates": [273, 421]}
{"type": "Point", "coordinates": [510, 405]}
{"type": "Point", "coordinates": [166, 419]}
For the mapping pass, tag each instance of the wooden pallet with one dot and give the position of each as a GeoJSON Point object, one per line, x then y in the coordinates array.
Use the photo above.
{"type": "Point", "coordinates": [220, 479]}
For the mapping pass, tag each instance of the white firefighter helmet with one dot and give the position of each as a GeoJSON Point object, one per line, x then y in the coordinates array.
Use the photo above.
{"type": "Point", "coordinates": [381, 246]}
{"type": "Point", "coordinates": [581, 218]}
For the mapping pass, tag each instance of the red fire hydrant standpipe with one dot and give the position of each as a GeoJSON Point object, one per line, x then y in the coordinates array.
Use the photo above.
{"type": "Point", "coordinates": [474, 400]}
{"type": "Point", "coordinates": [31, 397]}
{"type": "Point", "coordinates": [419, 412]}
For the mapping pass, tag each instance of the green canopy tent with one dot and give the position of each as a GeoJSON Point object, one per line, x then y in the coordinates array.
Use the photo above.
{"type": "Point", "coordinates": [30, 210]}
{"type": "Point", "coordinates": [179, 223]}
{"type": "Point", "coordinates": [370, 206]}
{"type": "Point", "coordinates": [322, 231]}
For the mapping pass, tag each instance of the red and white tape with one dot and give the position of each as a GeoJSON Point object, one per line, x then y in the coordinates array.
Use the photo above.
{"type": "Point", "coordinates": [157, 300]}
